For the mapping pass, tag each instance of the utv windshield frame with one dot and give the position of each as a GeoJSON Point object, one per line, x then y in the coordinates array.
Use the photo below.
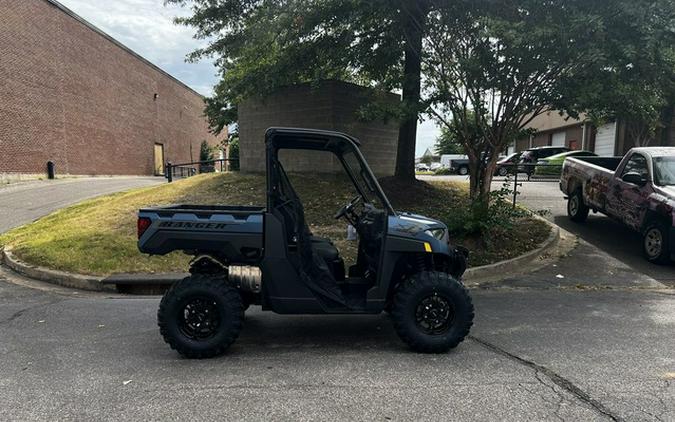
{"type": "Point", "coordinates": [318, 140]}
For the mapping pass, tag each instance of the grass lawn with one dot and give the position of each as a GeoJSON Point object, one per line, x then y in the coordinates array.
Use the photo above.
{"type": "Point", "coordinates": [98, 236]}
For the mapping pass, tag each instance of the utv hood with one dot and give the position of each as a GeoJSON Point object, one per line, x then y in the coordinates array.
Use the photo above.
{"type": "Point", "coordinates": [416, 226]}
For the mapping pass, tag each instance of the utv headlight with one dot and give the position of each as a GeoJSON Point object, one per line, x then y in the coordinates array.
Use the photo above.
{"type": "Point", "coordinates": [436, 233]}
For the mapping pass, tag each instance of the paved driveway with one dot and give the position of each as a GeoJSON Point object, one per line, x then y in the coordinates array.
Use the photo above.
{"type": "Point", "coordinates": [532, 355]}
{"type": "Point", "coordinates": [609, 236]}
{"type": "Point", "coordinates": [25, 202]}
{"type": "Point", "coordinates": [543, 348]}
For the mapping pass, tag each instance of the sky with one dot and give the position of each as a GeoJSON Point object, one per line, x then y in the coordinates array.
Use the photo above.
{"type": "Point", "coordinates": [146, 27]}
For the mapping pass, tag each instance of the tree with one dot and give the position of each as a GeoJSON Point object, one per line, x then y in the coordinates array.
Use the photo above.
{"type": "Point", "coordinates": [634, 81]}
{"type": "Point", "coordinates": [493, 66]}
{"type": "Point", "coordinates": [262, 45]}
{"type": "Point", "coordinates": [233, 145]}
{"type": "Point", "coordinates": [205, 152]}
{"type": "Point", "coordinates": [447, 143]}
{"type": "Point", "coordinates": [489, 66]}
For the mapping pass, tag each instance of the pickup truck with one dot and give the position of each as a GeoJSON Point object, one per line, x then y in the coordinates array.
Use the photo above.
{"type": "Point", "coordinates": [638, 190]}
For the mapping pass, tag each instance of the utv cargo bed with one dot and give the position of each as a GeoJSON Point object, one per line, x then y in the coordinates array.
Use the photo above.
{"type": "Point", "coordinates": [233, 231]}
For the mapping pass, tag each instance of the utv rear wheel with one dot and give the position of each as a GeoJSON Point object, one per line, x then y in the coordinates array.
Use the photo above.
{"type": "Point", "coordinates": [200, 316]}
{"type": "Point", "coordinates": [577, 211]}
{"type": "Point", "coordinates": [432, 312]}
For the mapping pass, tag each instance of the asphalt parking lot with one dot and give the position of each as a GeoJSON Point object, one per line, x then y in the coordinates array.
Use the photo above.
{"type": "Point", "coordinates": [596, 344]}
{"type": "Point", "coordinates": [532, 355]}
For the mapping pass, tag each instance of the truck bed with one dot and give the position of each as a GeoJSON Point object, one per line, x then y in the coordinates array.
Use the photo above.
{"type": "Point", "coordinates": [233, 232]}
{"type": "Point", "coordinates": [609, 163]}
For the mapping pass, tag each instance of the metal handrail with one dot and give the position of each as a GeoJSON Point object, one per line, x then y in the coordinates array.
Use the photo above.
{"type": "Point", "coordinates": [190, 169]}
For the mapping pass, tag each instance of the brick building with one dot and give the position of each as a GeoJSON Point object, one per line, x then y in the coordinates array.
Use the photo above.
{"type": "Point", "coordinates": [71, 94]}
{"type": "Point", "coordinates": [610, 138]}
{"type": "Point", "coordinates": [332, 105]}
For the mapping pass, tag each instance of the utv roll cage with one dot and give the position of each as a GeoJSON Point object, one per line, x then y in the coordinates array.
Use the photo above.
{"type": "Point", "coordinates": [319, 140]}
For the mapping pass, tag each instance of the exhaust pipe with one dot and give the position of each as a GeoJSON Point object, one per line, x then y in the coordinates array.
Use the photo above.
{"type": "Point", "coordinates": [245, 277]}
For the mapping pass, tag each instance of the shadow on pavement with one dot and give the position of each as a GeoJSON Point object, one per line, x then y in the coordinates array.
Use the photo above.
{"type": "Point", "coordinates": [620, 242]}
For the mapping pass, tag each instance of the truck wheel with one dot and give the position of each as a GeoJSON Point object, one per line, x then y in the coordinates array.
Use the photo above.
{"type": "Point", "coordinates": [577, 211]}
{"type": "Point", "coordinates": [463, 170]}
{"type": "Point", "coordinates": [655, 243]}
{"type": "Point", "coordinates": [200, 316]}
{"type": "Point", "coordinates": [432, 312]}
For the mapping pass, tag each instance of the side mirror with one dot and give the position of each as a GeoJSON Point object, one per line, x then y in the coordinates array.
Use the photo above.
{"type": "Point", "coordinates": [634, 178]}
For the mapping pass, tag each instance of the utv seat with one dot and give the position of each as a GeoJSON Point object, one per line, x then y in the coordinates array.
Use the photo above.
{"type": "Point", "coordinates": [325, 248]}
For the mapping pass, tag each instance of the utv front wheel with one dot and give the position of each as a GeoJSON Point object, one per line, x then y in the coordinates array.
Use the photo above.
{"type": "Point", "coordinates": [200, 316]}
{"type": "Point", "coordinates": [432, 312]}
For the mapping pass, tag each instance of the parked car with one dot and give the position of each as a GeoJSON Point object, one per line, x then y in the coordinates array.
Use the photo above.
{"type": "Point", "coordinates": [435, 166]}
{"type": "Point", "coordinates": [461, 165]}
{"type": "Point", "coordinates": [637, 190]}
{"type": "Point", "coordinates": [532, 155]}
{"type": "Point", "coordinates": [506, 165]}
{"type": "Point", "coordinates": [422, 167]}
{"type": "Point", "coordinates": [553, 164]}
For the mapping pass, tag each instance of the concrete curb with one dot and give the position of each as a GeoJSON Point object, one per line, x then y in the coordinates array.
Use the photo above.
{"type": "Point", "coordinates": [514, 265]}
{"type": "Point", "coordinates": [511, 266]}
{"type": "Point", "coordinates": [61, 278]}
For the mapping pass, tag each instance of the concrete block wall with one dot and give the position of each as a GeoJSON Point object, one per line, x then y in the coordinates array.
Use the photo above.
{"type": "Point", "coordinates": [332, 105]}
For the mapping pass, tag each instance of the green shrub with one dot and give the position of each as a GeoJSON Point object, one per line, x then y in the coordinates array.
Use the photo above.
{"type": "Point", "coordinates": [234, 154]}
{"type": "Point", "coordinates": [205, 152]}
{"type": "Point", "coordinates": [476, 218]}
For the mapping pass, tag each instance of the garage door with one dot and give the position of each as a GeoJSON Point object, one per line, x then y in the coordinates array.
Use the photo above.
{"type": "Point", "coordinates": [558, 139]}
{"type": "Point", "coordinates": [605, 139]}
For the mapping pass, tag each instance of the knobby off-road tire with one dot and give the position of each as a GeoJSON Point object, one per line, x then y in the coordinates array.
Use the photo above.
{"type": "Point", "coordinates": [577, 211]}
{"type": "Point", "coordinates": [200, 316]}
{"type": "Point", "coordinates": [432, 312]}
{"type": "Point", "coordinates": [656, 243]}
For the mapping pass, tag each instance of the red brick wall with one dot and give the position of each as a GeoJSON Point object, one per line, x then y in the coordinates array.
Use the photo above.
{"type": "Point", "coordinates": [70, 95]}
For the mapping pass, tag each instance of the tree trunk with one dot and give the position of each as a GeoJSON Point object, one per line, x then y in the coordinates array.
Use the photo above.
{"type": "Point", "coordinates": [480, 181]}
{"type": "Point", "coordinates": [413, 16]}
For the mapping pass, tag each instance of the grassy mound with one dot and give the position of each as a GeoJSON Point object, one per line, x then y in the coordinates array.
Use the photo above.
{"type": "Point", "coordinates": [98, 236]}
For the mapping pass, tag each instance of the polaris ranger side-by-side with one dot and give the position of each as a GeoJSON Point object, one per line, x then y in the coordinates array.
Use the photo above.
{"type": "Point", "coordinates": [267, 256]}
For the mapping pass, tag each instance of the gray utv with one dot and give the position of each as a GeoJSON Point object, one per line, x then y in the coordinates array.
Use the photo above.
{"type": "Point", "coordinates": [267, 256]}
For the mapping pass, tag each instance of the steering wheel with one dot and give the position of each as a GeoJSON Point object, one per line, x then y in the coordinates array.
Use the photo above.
{"type": "Point", "coordinates": [344, 210]}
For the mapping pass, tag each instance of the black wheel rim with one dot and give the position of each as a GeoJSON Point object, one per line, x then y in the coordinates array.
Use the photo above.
{"type": "Point", "coordinates": [434, 314]}
{"type": "Point", "coordinates": [199, 319]}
